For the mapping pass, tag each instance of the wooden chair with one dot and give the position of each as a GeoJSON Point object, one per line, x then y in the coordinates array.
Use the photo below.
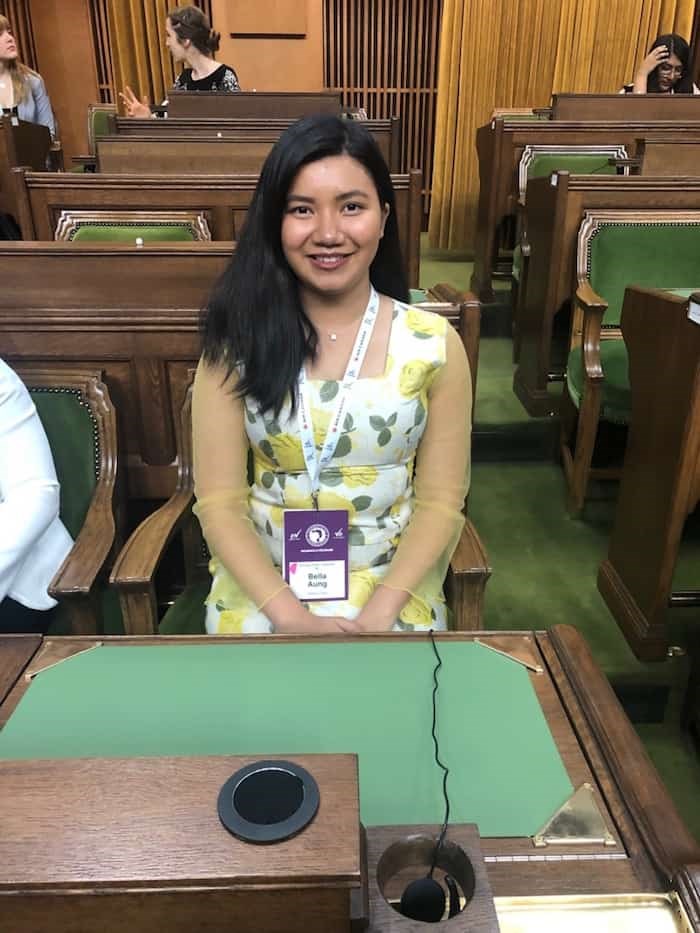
{"type": "Point", "coordinates": [658, 249]}
{"type": "Point", "coordinates": [541, 161]}
{"type": "Point", "coordinates": [80, 423]}
{"type": "Point", "coordinates": [134, 571]}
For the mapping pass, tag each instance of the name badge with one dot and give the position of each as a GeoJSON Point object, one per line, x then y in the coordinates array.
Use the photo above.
{"type": "Point", "coordinates": [315, 553]}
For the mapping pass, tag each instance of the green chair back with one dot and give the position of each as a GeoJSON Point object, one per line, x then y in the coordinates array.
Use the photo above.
{"type": "Point", "coordinates": [578, 164]}
{"type": "Point", "coordinates": [96, 232]}
{"type": "Point", "coordinates": [99, 121]}
{"type": "Point", "coordinates": [663, 254]}
{"type": "Point", "coordinates": [74, 440]}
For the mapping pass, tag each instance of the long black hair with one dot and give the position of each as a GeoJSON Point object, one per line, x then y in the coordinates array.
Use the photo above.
{"type": "Point", "coordinates": [677, 46]}
{"type": "Point", "coordinates": [255, 322]}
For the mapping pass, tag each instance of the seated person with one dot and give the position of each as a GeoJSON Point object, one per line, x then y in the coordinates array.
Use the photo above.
{"type": "Point", "coordinates": [190, 39]}
{"type": "Point", "coordinates": [33, 540]}
{"type": "Point", "coordinates": [665, 70]}
{"type": "Point", "coordinates": [21, 87]}
{"type": "Point", "coordinates": [348, 399]}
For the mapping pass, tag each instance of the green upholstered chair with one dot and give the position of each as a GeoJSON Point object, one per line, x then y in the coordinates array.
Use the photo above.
{"type": "Point", "coordinates": [99, 123]}
{"type": "Point", "coordinates": [134, 570]}
{"type": "Point", "coordinates": [656, 249]}
{"type": "Point", "coordinates": [112, 226]}
{"type": "Point", "coordinates": [80, 424]}
{"type": "Point", "coordinates": [540, 161]}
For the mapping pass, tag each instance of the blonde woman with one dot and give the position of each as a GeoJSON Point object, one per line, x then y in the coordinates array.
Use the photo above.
{"type": "Point", "coordinates": [20, 87]}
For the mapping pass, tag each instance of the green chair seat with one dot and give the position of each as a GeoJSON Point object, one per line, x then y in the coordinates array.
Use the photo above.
{"type": "Point", "coordinates": [616, 402]}
{"type": "Point", "coordinates": [416, 295]}
{"type": "Point", "coordinates": [186, 615]}
{"type": "Point", "coordinates": [127, 233]}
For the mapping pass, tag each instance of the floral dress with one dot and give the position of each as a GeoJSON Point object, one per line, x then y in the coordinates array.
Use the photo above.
{"type": "Point", "coordinates": [370, 476]}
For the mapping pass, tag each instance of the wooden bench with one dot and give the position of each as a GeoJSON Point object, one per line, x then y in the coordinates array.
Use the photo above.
{"type": "Point", "coordinates": [45, 200]}
{"type": "Point", "coordinates": [553, 215]}
{"type": "Point", "coordinates": [134, 314]}
{"type": "Point", "coordinates": [500, 145]}
{"type": "Point", "coordinates": [661, 477]}
{"type": "Point", "coordinates": [387, 133]}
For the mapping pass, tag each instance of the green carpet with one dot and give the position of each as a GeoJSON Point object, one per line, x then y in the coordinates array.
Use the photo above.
{"type": "Point", "coordinates": [545, 564]}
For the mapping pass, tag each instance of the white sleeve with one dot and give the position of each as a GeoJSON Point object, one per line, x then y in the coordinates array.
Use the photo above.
{"type": "Point", "coordinates": [29, 490]}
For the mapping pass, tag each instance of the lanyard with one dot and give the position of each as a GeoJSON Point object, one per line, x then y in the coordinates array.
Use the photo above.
{"type": "Point", "coordinates": [314, 463]}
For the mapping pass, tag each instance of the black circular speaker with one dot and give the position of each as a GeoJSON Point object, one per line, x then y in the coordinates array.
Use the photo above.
{"type": "Point", "coordinates": [268, 801]}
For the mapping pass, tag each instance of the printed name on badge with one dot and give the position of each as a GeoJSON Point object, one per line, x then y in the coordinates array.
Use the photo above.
{"type": "Point", "coordinates": [315, 553]}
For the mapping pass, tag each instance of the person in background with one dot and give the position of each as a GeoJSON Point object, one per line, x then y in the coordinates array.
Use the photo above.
{"type": "Point", "coordinates": [665, 70]}
{"type": "Point", "coordinates": [189, 39]}
{"type": "Point", "coordinates": [33, 540]}
{"type": "Point", "coordinates": [316, 289]}
{"type": "Point", "coordinates": [21, 87]}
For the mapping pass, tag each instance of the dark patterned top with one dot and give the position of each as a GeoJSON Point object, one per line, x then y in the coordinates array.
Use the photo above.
{"type": "Point", "coordinates": [223, 79]}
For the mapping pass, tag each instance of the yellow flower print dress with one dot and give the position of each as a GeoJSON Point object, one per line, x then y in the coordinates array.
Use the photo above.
{"type": "Point", "coordinates": [370, 476]}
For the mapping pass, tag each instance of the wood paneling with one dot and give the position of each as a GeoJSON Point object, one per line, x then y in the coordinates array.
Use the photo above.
{"type": "Point", "coordinates": [268, 18]}
{"type": "Point", "coordinates": [66, 60]}
{"type": "Point", "coordinates": [273, 63]}
{"type": "Point", "coordinates": [383, 56]}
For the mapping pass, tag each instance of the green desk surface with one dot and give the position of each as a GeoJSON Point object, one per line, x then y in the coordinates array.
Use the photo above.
{"type": "Point", "coordinates": [370, 698]}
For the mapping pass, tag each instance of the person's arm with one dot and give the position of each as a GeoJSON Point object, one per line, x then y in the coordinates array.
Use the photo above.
{"type": "Point", "coordinates": [653, 59]}
{"type": "Point", "coordinates": [441, 482]}
{"type": "Point", "coordinates": [230, 81]}
{"type": "Point", "coordinates": [29, 490]}
{"type": "Point", "coordinates": [220, 448]}
{"type": "Point", "coordinates": [44, 113]}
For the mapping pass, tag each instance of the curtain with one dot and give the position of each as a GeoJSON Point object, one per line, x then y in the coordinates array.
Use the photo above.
{"type": "Point", "coordinates": [139, 56]}
{"type": "Point", "coordinates": [497, 53]}
{"type": "Point", "coordinates": [17, 11]}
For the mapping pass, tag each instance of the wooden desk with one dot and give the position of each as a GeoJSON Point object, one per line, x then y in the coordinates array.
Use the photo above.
{"type": "Point", "coordinates": [275, 104]}
{"type": "Point", "coordinates": [620, 108]}
{"type": "Point", "coordinates": [21, 143]}
{"type": "Point", "coordinates": [660, 156]}
{"type": "Point", "coordinates": [586, 739]}
{"type": "Point", "coordinates": [661, 476]}
{"type": "Point", "coordinates": [134, 314]}
{"type": "Point", "coordinates": [554, 211]}
{"type": "Point", "coordinates": [45, 199]}
{"type": "Point", "coordinates": [387, 133]}
{"type": "Point", "coordinates": [500, 145]}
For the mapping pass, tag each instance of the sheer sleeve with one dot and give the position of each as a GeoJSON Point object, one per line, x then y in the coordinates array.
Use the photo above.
{"type": "Point", "coordinates": [441, 479]}
{"type": "Point", "coordinates": [221, 485]}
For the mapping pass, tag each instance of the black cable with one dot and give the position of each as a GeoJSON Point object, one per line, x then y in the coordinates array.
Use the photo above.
{"type": "Point", "coordinates": [445, 769]}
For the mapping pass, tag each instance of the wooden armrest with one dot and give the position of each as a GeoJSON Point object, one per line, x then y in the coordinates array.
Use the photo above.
{"type": "Point", "coordinates": [77, 574]}
{"type": "Point", "coordinates": [625, 163]}
{"type": "Point", "coordinates": [466, 581]}
{"type": "Point", "coordinates": [594, 307]}
{"type": "Point", "coordinates": [84, 160]}
{"type": "Point", "coordinates": [138, 560]}
{"type": "Point", "coordinates": [470, 324]}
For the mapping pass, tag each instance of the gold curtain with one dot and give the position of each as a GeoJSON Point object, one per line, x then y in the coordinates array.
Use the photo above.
{"type": "Point", "coordinates": [497, 53]}
{"type": "Point", "coordinates": [137, 39]}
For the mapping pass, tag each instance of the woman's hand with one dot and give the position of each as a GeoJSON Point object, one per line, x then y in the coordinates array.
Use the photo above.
{"type": "Point", "coordinates": [306, 623]}
{"type": "Point", "coordinates": [133, 106]}
{"type": "Point", "coordinates": [652, 61]}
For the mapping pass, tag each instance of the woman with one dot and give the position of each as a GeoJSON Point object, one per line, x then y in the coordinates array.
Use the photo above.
{"type": "Point", "coordinates": [296, 303]}
{"type": "Point", "coordinates": [666, 69]}
{"type": "Point", "coordinates": [21, 87]}
{"type": "Point", "coordinates": [33, 540]}
{"type": "Point", "coordinates": [190, 39]}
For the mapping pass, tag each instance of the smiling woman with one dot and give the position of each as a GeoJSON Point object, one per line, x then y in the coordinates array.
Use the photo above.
{"type": "Point", "coordinates": [345, 397]}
